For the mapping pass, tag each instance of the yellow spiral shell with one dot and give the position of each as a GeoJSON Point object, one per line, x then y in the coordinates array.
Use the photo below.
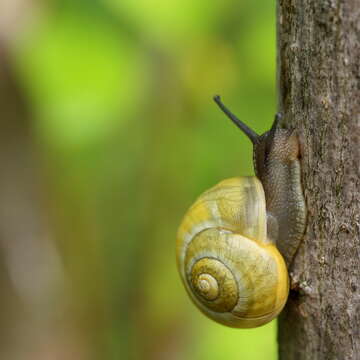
{"type": "Point", "coordinates": [230, 269]}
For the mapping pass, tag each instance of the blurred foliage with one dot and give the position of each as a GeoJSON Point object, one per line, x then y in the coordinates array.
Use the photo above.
{"type": "Point", "coordinates": [121, 93]}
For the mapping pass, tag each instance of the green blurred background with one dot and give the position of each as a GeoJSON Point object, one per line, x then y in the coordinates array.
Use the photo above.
{"type": "Point", "coordinates": [124, 135]}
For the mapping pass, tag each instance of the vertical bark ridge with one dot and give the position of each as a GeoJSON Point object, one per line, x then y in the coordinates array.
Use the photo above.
{"type": "Point", "coordinates": [319, 93]}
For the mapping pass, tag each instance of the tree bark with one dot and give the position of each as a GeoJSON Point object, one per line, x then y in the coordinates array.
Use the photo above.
{"type": "Point", "coordinates": [319, 93]}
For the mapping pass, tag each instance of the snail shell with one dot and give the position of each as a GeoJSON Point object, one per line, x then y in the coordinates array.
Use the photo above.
{"type": "Point", "coordinates": [232, 271]}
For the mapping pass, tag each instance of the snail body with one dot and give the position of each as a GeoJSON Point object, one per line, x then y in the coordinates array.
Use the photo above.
{"type": "Point", "coordinates": [226, 244]}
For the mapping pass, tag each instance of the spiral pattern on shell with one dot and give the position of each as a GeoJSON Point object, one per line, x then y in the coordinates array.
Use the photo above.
{"type": "Point", "coordinates": [229, 268]}
{"type": "Point", "coordinates": [214, 284]}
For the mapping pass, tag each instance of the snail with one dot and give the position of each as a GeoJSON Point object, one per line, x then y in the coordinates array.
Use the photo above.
{"type": "Point", "coordinates": [226, 244]}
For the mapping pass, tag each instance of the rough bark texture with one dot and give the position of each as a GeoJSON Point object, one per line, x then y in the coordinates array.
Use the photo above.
{"type": "Point", "coordinates": [319, 93]}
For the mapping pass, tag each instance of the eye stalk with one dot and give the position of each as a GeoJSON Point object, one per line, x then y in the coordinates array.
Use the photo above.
{"type": "Point", "coordinates": [251, 134]}
{"type": "Point", "coordinates": [275, 125]}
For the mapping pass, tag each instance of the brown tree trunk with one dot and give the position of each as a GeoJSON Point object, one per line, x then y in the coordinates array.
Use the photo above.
{"type": "Point", "coordinates": [319, 93]}
{"type": "Point", "coordinates": [35, 322]}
